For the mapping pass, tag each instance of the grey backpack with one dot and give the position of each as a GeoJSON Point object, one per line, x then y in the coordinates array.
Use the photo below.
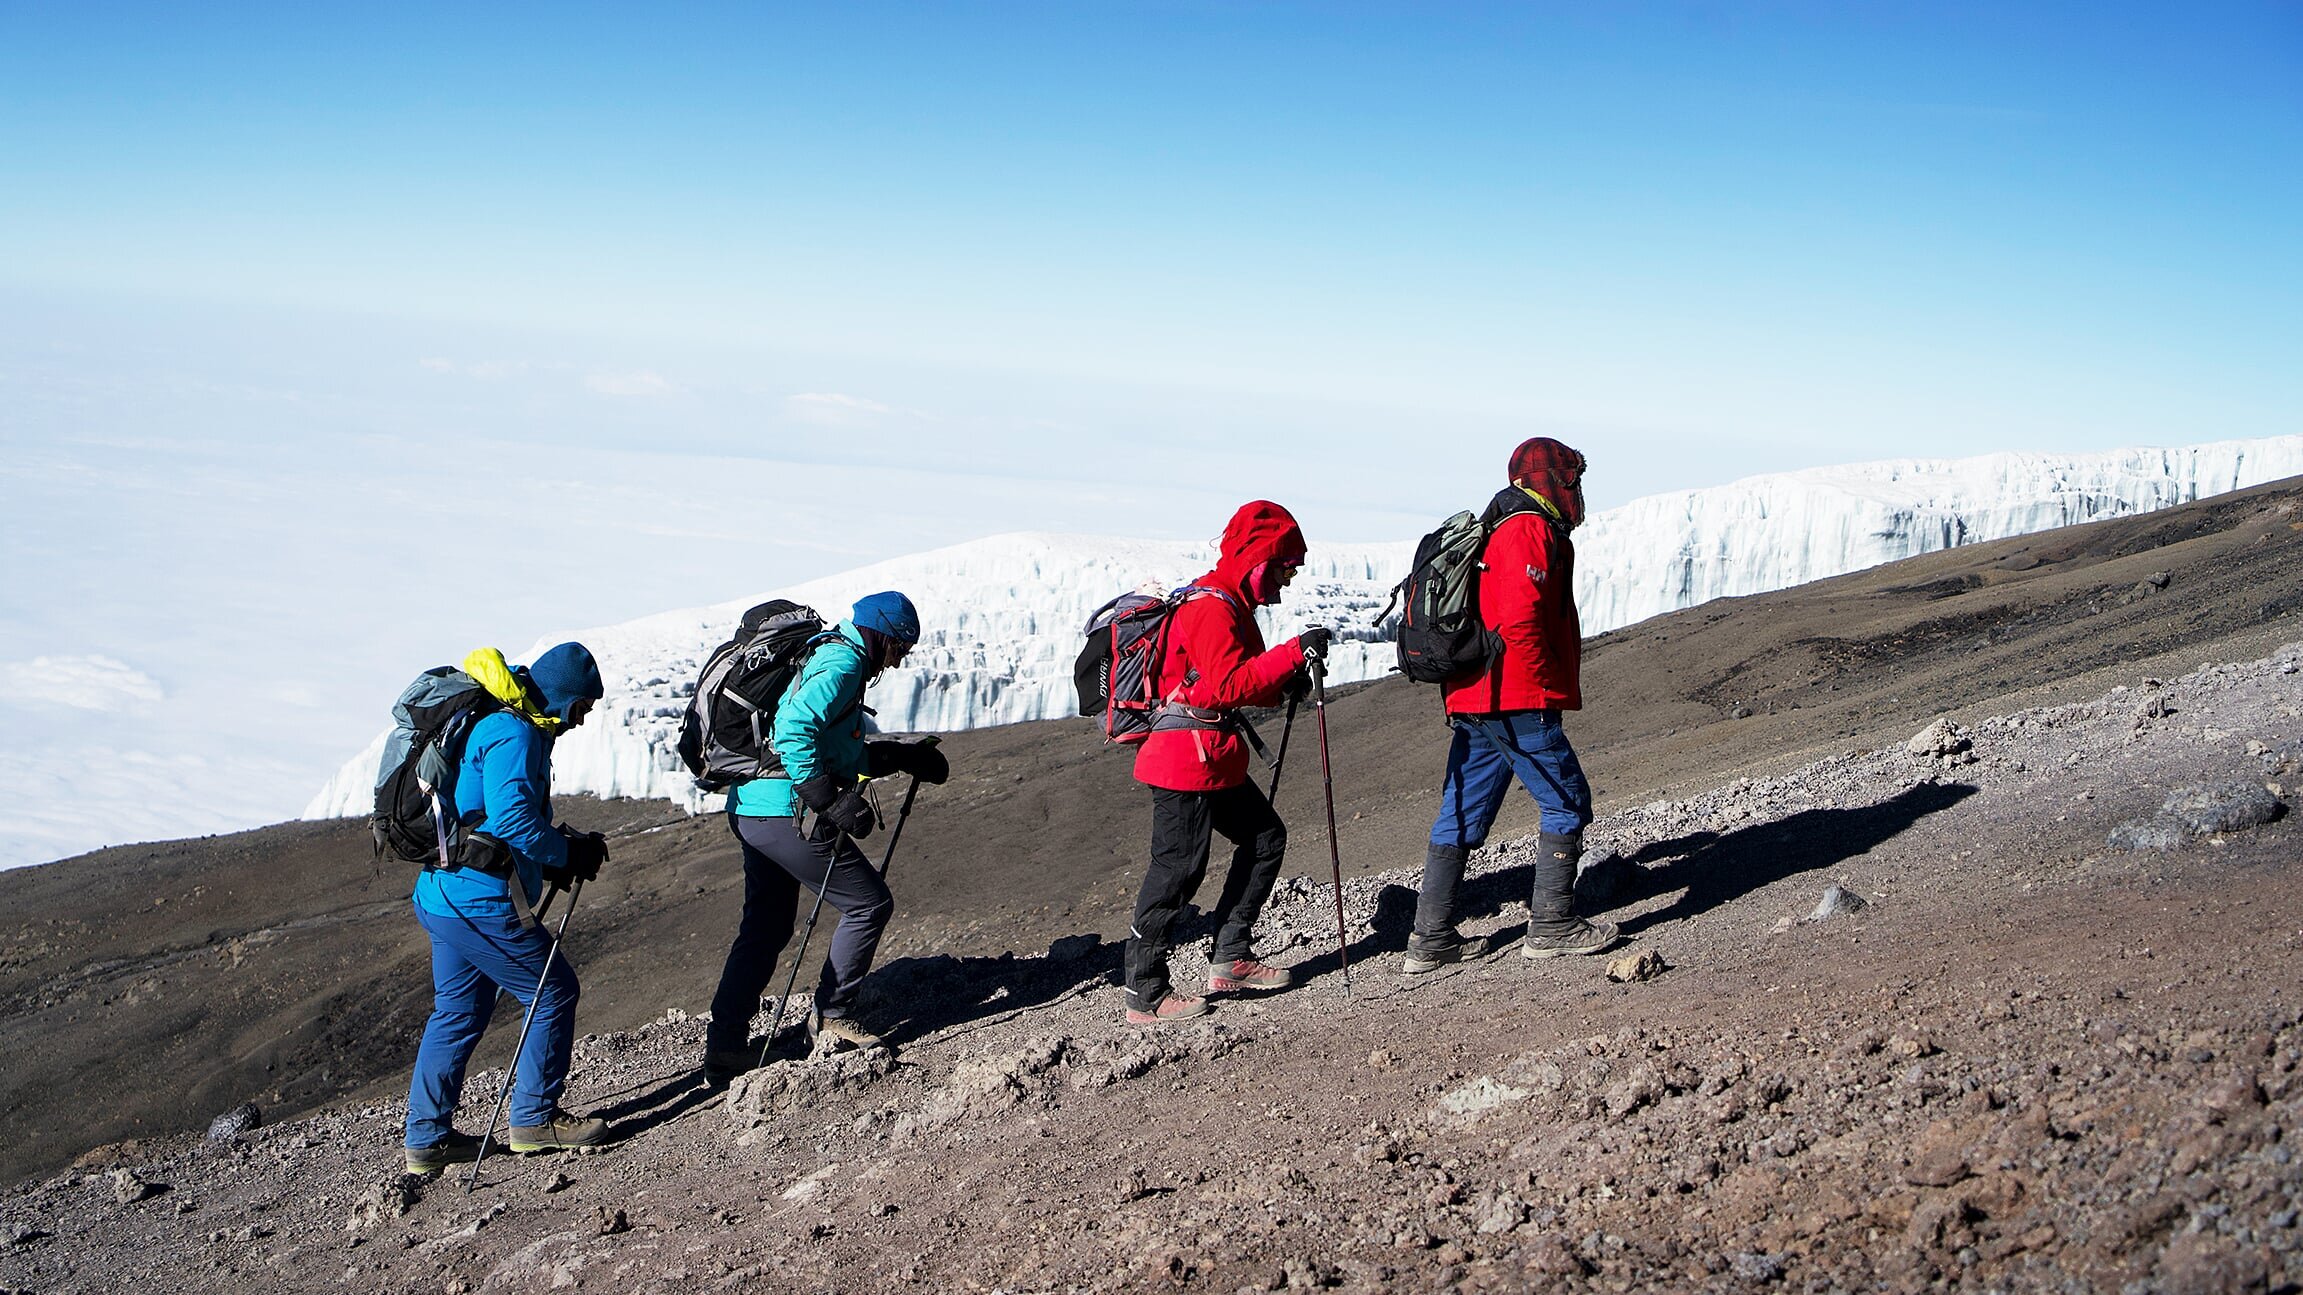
{"type": "Point", "coordinates": [724, 734]}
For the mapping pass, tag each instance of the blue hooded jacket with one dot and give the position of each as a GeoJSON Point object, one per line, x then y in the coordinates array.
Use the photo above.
{"type": "Point", "coordinates": [504, 788]}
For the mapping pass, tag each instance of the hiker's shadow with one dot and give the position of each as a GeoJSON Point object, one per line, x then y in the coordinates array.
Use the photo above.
{"type": "Point", "coordinates": [1712, 869]}
{"type": "Point", "coordinates": [911, 998]}
{"type": "Point", "coordinates": [630, 1114]}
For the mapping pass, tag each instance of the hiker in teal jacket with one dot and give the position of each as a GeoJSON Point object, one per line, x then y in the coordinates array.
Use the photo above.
{"type": "Point", "coordinates": [485, 940]}
{"type": "Point", "coordinates": [799, 827]}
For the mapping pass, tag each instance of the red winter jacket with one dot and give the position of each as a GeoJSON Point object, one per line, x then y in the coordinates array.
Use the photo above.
{"type": "Point", "coordinates": [1527, 597]}
{"type": "Point", "coordinates": [1216, 661]}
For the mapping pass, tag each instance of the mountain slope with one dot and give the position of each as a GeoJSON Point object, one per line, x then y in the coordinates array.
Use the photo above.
{"type": "Point", "coordinates": [2030, 1060]}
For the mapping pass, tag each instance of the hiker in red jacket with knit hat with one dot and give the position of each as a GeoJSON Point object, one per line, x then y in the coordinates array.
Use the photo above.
{"type": "Point", "coordinates": [1195, 761]}
{"type": "Point", "coordinates": [1506, 718]}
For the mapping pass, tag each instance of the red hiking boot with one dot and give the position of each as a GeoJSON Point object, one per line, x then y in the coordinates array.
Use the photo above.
{"type": "Point", "coordinates": [1174, 1007]}
{"type": "Point", "coordinates": [1247, 973]}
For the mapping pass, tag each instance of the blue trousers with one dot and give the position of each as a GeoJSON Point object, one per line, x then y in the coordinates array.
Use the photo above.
{"type": "Point", "coordinates": [477, 953]}
{"type": "Point", "coordinates": [1491, 750]}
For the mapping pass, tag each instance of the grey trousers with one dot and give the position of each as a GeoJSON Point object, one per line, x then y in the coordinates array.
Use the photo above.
{"type": "Point", "coordinates": [778, 864]}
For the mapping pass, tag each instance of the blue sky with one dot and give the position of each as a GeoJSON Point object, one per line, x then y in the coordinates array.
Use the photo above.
{"type": "Point", "coordinates": [605, 287]}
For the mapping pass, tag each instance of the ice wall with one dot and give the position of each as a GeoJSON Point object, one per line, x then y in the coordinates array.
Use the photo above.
{"type": "Point", "coordinates": [1003, 615]}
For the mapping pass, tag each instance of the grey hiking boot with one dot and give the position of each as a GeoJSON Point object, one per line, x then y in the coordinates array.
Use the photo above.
{"type": "Point", "coordinates": [1430, 955]}
{"type": "Point", "coordinates": [1584, 936]}
{"type": "Point", "coordinates": [565, 1132]}
{"type": "Point", "coordinates": [838, 1034]}
{"type": "Point", "coordinates": [454, 1149]}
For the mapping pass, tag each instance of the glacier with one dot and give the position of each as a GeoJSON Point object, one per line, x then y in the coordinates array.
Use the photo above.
{"type": "Point", "coordinates": [1002, 616]}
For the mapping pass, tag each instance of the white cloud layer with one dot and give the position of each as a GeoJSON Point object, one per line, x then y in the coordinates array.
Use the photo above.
{"type": "Point", "coordinates": [485, 369]}
{"type": "Point", "coordinates": [831, 409]}
{"type": "Point", "coordinates": [641, 383]}
{"type": "Point", "coordinates": [97, 683]}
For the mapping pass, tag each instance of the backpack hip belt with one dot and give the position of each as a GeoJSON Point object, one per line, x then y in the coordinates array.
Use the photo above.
{"type": "Point", "coordinates": [1173, 715]}
{"type": "Point", "coordinates": [479, 852]}
{"type": "Point", "coordinates": [1176, 717]}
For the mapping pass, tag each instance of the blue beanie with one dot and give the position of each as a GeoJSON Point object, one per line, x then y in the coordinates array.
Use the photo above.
{"type": "Point", "coordinates": [890, 613]}
{"type": "Point", "coordinates": [566, 675]}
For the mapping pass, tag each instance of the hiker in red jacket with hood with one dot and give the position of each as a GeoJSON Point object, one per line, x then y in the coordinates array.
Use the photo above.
{"type": "Point", "coordinates": [1506, 718]}
{"type": "Point", "coordinates": [1195, 761]}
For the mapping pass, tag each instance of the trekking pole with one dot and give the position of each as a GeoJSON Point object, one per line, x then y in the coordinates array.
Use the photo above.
{"type": "Point", "coordinates": [1327, 781]}
{"type": "Point", "coordinates": [888, 856]}
{"type": "Point", "coordinates": [1280, 762]}
{"type": "Point", "coordinates": [503, 1094]}
{"type": "Point", "coordinates": [777, 1023]}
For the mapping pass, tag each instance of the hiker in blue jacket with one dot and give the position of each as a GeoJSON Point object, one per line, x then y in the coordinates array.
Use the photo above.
{"type": "Point", "coordinates": [818, 736]}
{"type": "Point", "coordinates": [485, 939]}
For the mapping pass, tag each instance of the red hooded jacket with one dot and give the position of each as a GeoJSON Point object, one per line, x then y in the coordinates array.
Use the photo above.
{"type": "Point", "coordinates": [1216, 660]}
{"type": "Point", "coordinates": [1527, 597]}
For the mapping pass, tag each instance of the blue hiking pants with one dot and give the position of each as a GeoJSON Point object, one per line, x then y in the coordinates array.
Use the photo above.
{"type": "Point", "coordinates": [1491, 750]}
{"type": "Point", "coordinates": [478, 952]}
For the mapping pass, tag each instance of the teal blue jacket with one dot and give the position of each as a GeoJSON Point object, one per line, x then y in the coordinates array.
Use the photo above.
{"type": "Point", "coordinates": [819, 726]}
{"type": "Point", "coordinates": [503, 788]}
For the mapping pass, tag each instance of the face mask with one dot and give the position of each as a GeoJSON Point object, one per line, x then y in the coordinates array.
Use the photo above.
{"type": "Point", "coordinates": [1268, 579]}
{"type": "Point", "coordinates": [1570, 500]}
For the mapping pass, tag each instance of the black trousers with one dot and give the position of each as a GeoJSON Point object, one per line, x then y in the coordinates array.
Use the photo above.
{"type": "Point", "coordinates": [778, 864]}
{"type": "Point", "coordinates": [1183, 824]}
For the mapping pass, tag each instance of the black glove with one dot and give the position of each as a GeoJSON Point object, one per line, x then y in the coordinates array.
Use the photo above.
{"type": "Point", "coordinates": [586, 852]}
{"type": "Point", "coordinates": [845, 810]}
{"type": "Point", "coordinates": [1314, 642]}
{"type": "Point", "coordinates": [920, 759]}
{"type": "Point", "coordinates": [1297, 687]}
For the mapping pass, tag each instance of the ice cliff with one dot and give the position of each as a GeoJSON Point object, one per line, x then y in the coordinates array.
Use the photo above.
{"type": "Point", "coordinates": [1003, 614]}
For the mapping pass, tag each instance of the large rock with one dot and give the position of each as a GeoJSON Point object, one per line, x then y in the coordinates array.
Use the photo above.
{"type": "Point", "coordinates": [234, 1122]}
{"type": "Point", "coordinates": [1838, 901]}
{"type": "Point", "coordinates": [1939, 739]}
{"type": "Point", "coordinates": [2223, 806]}
{"type": "Point", "coordinates": [759, 1098]}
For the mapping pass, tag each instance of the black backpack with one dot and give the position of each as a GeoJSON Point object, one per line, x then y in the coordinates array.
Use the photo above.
{"type": "Point", "coordinates": [724, 734]}
{"type": "Point", "coordinates": [1440, 636]}
{"type": "Point", "coordinates": [415, 816]}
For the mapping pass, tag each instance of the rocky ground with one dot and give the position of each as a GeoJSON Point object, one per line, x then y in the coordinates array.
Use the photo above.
{"type": "Point", "coordinates": [2017, 1004]}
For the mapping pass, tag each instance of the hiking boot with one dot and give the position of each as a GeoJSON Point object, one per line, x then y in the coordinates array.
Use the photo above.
{"type": "Point", "coordinates": [721, 1068]}
{"type": "Point", "coordinates": [565, 1133]}
{"type": "Point", "coordinates": [838, 1034]}
{"type": "Point", "coordinates": [1247, 973]}
{"type": "Point", "coordinates": [1553, 929]}
{"type": "Point", "coordinates": [454, 1149]}
{"type": "Point", "coordinates": [1174, 1007]}
{"type": "Point", "coordinates": [1584, 937]}
{"type": "Point", "coordinates": [1430, 955]}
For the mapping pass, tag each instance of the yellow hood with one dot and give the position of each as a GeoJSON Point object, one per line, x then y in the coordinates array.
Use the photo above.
{"type": "Point", "coordinates": [489, 669]}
